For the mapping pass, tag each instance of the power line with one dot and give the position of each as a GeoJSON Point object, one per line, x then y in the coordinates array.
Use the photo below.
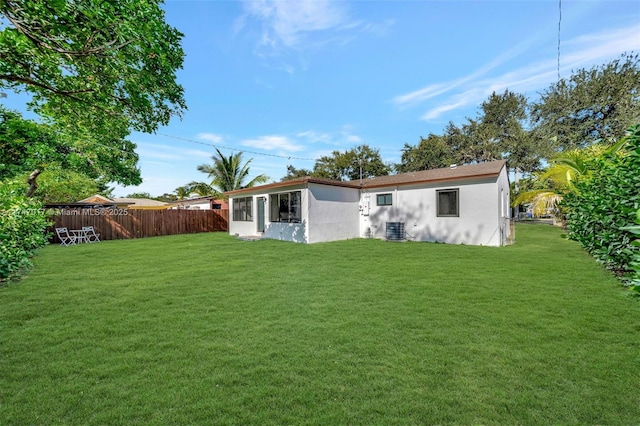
{"type": "Point", "coordinates": [235, 149]}
{"type": "Point", "coordinates": [559, 23]}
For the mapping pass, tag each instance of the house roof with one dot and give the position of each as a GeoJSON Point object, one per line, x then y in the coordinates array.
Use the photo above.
{"type": "Point", "coordinates": [139, 202]}
{"type": "Point", "coordinates": [472, 171]}
{"type": "Point", "coordinates": [194, 200]}
{"type": "Point", "coordinates": [197, 200]}
{"type": "Point", "coordinates": [295, 182]}
{"type": "Point", "coordinates": [452, 173]}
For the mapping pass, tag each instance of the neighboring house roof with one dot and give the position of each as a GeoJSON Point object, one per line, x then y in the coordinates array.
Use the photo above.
{"type": "Point", "coordinates": [139, 202]}
{"type": "Point", "coordinates": [489, 169]}
{"type": "Point", "coordinates": [199, 200]}
{"type": "Point", "coordinates": [79, 205]}
{"type": "Point", "coordinates": [99, 199]}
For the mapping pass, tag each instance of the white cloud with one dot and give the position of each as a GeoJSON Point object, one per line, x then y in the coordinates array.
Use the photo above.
{"type": "Point", "coordinates": [286, 22]}
{"type": "Point", "coordinates": [584, 51]}
{"type": "Point", "coordinates": [157, 151]}
{"type": "Point", "coordinates": [434, 90]}
{"type": "Point", "coordinates": [211, 137]}
{"type": "Point", "coordinates": [304, 25]}
{"type": "Point", "coordinates": [342, 137]}
{"type": "Point", "coordinates": [270, 143]}
{"type": "Point", "coordinates": [314, 137]}
{"type": "Point", "coordinates": [420, 95]}
{"type": "Point", "coordinates": [458, 101]}
{"type": "Point", "coordinates": [198, 153]}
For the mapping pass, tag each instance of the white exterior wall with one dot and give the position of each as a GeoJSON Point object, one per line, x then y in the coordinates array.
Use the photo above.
{"type": "Point", "coordinates": [478, 222]}
{"type": "Point", "coordinates": [295, 232]}
{"type": "Point", "coordinates": [243, 228]}
{"type": "Point", "coordinates": [205, 205]}
{"type": "Point", "coordinates": [333, 213]}
{"type": "Point", "coordinates": [504, 207]}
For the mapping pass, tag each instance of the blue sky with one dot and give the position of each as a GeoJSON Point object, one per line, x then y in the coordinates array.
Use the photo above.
{"type": "Point", "coordinates": [290, 81]}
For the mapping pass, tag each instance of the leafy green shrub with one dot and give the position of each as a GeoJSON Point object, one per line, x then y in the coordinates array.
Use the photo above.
{"type": "Point", "coordinates": [634, 280]}
{"type": "Point", "coordinates": [22, 229]}
{"type": "Point", "coordinates": [605, 203]}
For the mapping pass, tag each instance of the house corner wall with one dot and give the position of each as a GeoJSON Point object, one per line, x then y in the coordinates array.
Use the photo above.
{"type": "Point", "coordinates": [478, 221]}
{"type": "Point", "coordinates": [333, 213]}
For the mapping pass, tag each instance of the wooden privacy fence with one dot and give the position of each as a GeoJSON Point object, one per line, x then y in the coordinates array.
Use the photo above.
{"type": "Point", "coordinates": [119, 224]}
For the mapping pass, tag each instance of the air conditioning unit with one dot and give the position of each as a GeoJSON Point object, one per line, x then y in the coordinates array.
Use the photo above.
{"type": "Point", "coordinates": [395, 231]}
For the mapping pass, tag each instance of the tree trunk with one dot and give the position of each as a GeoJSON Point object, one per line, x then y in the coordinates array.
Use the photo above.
{"type": "Point", "coordinates": [33, 185]}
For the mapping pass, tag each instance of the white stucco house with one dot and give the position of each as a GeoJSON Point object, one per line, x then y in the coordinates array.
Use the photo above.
{"type": "Point", "coordinates": [456, 205]}
{"type": "Point", "coordinates": [199, 203]}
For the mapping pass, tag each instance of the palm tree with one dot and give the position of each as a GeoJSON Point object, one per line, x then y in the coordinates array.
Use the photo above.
{"type": "Point", "coordinates": [560, 177]}
{"type": "Point", "coordinates": [182, 192]}
{"type": "Point", "coordinates": [229, 173]}
{"type": "Point", "coordinates": [203, 189]}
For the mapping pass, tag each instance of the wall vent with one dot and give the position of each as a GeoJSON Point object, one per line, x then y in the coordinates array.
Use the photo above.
{"type": "Point", "coordinates": [395, 231]}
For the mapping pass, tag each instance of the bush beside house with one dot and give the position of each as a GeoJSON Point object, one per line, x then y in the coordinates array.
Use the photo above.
{"type": "Point", "coordinates": [604, 206]}
{"type": "Point", "coordinates": [22, 229]}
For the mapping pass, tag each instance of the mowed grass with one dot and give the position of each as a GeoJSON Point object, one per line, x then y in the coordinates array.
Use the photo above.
{"type": "Point", "coordinates": [206, 329]}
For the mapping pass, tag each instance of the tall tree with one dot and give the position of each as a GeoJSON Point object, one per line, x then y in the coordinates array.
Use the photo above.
{"type": "Point", "coordinates": [201, 189]}
{"type": "Point", "coordinates": [27, 146]}
{"type": "Point", "coordinates": [599, 103]}
{"type": "Point", "coordinates": [463, 144]}
{"type": "Point", "coordinates": [230, 173]}
{"type": "Point", "coordinates": [139, 195]}
{"type": "Point", "coordinates": [167, 197]}
{"type": "Point", "coordinates": [293, 173]}
{"type": "Point", "coordinates": [97, 69]}
{"type": "Point", "coordinates": [504, 121]}
{"type": "Point", "coordinates": [430, 153]}
{"type": "Point", "coordinates": [57, 186]}
{"type": "Point", "coordinates": [182, 192]}
{"type": "Point", "coordinates": [359, 162]}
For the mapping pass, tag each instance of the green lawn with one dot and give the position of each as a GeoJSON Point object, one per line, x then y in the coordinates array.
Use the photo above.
{"type": "Point", "coordinates": [204, 329]}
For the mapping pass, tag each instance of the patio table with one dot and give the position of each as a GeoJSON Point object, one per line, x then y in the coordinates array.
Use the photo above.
{"type": "Point", "coordinates": [80, 234]}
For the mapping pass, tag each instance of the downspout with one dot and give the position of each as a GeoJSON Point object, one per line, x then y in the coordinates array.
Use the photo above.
{"type": "Point", "coordinates": [306, 225]}
{"type": "Point", "coordinates": [396, 205]}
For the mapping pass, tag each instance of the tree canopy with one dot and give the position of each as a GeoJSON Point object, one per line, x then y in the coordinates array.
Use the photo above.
{"type": "Point", "coordinates": [430, 153]}
{"type": "Point", "coordinates": [293, 173]}
{"type": "Point", "coordinates": [592, 104]}
{"type": "Point", "coordinates": [94, 58]}
{"type": "Point", "coordinates": [26, 146]}
{"type": "Point", "coordinates": [500, 131]}
{"type": "Point", "coordinates": [96, 70]}
{"type": "Point", "coordinates": [355, 163]}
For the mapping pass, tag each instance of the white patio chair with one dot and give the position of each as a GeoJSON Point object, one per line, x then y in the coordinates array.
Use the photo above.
{"type": "Point", "coordinates": [66, 239]}
{"type": "Point", "coordinates": [90, 235]}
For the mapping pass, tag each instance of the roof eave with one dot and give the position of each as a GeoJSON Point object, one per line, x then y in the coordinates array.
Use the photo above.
{"type": "Point", "coordinates": [428, 181]}
{"type": "Point", "coordinates": [290, 183]}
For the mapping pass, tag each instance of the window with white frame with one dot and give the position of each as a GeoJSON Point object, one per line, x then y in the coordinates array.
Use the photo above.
{"type": "Point", "coordinates": [285, 207]}
{"type": "Point", "coordinates": [243, 209]}
{"type": "Point", "coordinates": [447, 201]}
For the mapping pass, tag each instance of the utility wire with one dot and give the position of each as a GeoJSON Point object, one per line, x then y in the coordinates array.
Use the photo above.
{"type": "Point", "coordinates": [114, 148]}
{"type": "Point", "coordinates": [559, 23]}
{"type": "Point", "coordinates": [235, 149]}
